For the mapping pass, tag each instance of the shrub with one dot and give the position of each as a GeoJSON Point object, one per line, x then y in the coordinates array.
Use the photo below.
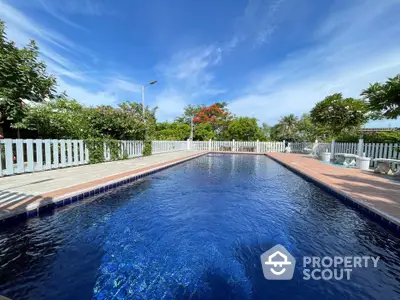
{"type": "Point", "coordinates": [147, 150]}
{"type": "Point", "coordinates": [96, 150]}
{"type": "Point", "coordinates": [376, 137]}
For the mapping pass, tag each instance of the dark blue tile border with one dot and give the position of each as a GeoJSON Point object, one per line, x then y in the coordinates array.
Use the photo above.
{"type": "Point", "coordinates": [342, 197]}
{"type": "Point", "coordinates": [99, 190]}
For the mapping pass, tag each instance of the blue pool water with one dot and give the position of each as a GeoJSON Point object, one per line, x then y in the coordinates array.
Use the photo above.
{"type": "Point", "coordinates": [196, 231]}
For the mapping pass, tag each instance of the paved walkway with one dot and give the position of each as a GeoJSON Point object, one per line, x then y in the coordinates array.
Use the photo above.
{"type": "Point", "coordinates": [378, 193]}
{"type": "Point", "coordinates": [24, 192]}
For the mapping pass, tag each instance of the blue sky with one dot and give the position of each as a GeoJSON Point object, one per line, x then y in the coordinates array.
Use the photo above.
{"type": "Point", "coordinates": [266, 58]}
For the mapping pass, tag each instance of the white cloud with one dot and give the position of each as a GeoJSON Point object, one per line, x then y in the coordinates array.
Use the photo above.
{"type": "Point", "coordinates": [257, 24]}
{"type": "Point", "coordinates": [59, 53]}
{"type": "Point", "coordinates": [345, 59]}
{"type": "Point", "coordinates": [89, 97]}
{"type": "Point", "coordinates": [53, 10]}
{"type": "Point", "coordinates": [170, 104]}
{"type": "Point", "coordinates": [192, 65]}
{"type": "Point", "coordinates": [187, 76]}
{"type": "Point", "coordinates": [126, 85]}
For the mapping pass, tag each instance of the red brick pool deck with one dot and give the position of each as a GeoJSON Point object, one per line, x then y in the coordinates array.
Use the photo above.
{"type": "Point", "coordinates": [378, 193]}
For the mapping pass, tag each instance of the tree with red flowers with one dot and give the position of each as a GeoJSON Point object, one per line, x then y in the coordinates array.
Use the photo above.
{"type": "Point", "coordinates": [217, 115]}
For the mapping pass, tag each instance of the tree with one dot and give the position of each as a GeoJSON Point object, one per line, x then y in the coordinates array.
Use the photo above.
{"type": "Point", "coordinates": [287, 129]}
{"type": "Point", "coordinates": [172, 131]}
{"type": "Point", "coordinates": [22, 77]}
{"type": "Point", "coordinates": [189, 112]}
{"type": "Point", "coordinates": [384, 99]}
{"type": "Point", "coordinates": [338, 114]}
{"type": "Point", "coordinates": [266, 129]}
{"type": "Point", "coordinates": [60, 118]}
{"type": "Point", "coordinates": [67, 118]}
{"type": "Point", "coordinates": [308, 131]}
{"type": "Point", "coordinates": [204, 132]}
{"type": "Point", "coordinates": [141, 128]}
{"type": "Point", "coordinates": [244, 129]}
{"type": "Point", "coordinates": [217, 115]}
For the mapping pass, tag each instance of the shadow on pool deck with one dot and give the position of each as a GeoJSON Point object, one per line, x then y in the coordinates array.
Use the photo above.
{"type": "Point", "coordinates": [370, 184]}
{"type": "Point", "coordinates": [382, 195]}
{"type": "Point", "coordinates": [379, 194]}
{"type": "Point", "coordinates": [13, 203]}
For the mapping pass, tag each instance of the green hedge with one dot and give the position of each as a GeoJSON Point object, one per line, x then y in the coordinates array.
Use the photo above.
{"type": "Point", "coordinates": [96, 150]}
{"type": "Point", "coordinates": [147, 148]}
{"type": "Point", "coordinates": [377, 137]}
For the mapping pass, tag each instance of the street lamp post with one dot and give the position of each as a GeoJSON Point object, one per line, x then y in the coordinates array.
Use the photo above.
{"type": "Point", "coordinates": [143, 86]}
{"type": "Point", "coordinates": [191, 129]}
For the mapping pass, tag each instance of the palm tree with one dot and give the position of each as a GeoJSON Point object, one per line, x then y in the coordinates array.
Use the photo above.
{"type": "Point", "coordinates": [287, 129]}
{"type": "Point", "coordinates": [289, 126]}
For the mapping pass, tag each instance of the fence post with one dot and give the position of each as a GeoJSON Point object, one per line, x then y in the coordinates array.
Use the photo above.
{"type": "Point", "coordinates": [258, 146]}
{"type": "Point", "coordinates": [360, 147]}
{"type": "Point", "coordinates": [209, 145]}
{"type": "Point", "coordinates": [1, 159]}
{"type": "Point", "coordinates": [9, 156]}
{"type": "Point", "coordinates": [333, 149]}
{"type": "Point", "coordinates": [188, 144]}
{"type": "Point", "coordinates": [233, 145]}
{"type": "Point", "coordinates": [20, 156]}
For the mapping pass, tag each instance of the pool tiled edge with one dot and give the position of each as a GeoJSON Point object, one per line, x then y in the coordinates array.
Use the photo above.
{"type": "Point", "coordinates": [48, 202]}
{"type": "Point", "coordinates": [385, 219]}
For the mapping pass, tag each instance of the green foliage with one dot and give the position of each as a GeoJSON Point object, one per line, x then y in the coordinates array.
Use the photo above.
{"type": "Point", "coordinates": [96, 146]}
{"type": "Point", "coordinates": [188, 113]}
{"type": "Point", "coordinates": [22, 77]}
{"type": "Point", "coordinates": [172, 131]}
{"type": "Point", "coordinates": [60, 118]}
{"type": "Point", "coordinates": [244, 129]}
{"type": "Point", "coordinates": [287, 129]}
{"type": "Point", "coordinates": [338, 115]}
{"type": "Point", "coordinates": [309, 132]}
{"type": "Point", "coordinates": [66, 118]}
{"type": "Point", "coordinates": [204, 132]}
{"type": "Point", "coordinates": [384, 99]}
{"type": "Point", "coordinates": [147, 150]}
{"type": "Point", "coordinates": [377, 137]}
{"type": "Point", "coordinates": [266, 130]}
{"type": "Point", "coordinates": [217, 115]}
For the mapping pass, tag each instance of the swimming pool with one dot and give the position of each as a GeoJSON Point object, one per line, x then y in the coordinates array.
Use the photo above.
{"type": "Point", "coordinates": [197, 231]}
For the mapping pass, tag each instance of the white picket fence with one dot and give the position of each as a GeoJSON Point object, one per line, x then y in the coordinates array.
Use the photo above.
{"type": "Point", "coordinates": [230, 146]}
{"type": "Point", "coordinates": [372, 150]}
{"type": "Point", "coordinates": [168, 146]}
{"type": "Point", "coordinates": [236, 146]}
{"type": "Point", "coordinates": [24, 156]}
{"type": "Point", "coordinates": [128, 149]}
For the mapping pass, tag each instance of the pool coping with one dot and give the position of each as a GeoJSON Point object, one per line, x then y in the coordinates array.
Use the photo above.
{"type": "Point", "coordinates": [48, 203]}
{"type": "Point", "coordinates": [383, 218]}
